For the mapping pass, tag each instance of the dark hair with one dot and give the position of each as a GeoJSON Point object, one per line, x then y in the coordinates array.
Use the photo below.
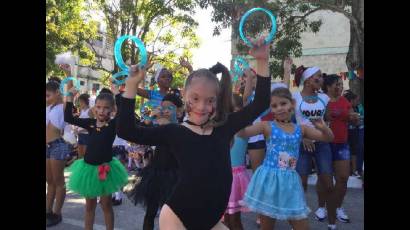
{"type": "Point", "coordinates": [105, 90]}
{"type": "Point", "coordinates": [237, 100]}
{"type": "Point", "coordinates": [224, 90]}
{"type": "Point", "coordinates": [349, 95]}
{"type": "Point", "coordinates": [174, 99]}
{"type": "Point", "coordinates": [176, 92]}
{"type": "Point", "coordinates": [106, 97]}
{"type": "Point", "coordinates": [85, 98]}
{"type": "Point", "coordinates": [52, 86]}
{"type": "Point", "coordinates": [282, 92]}
{"type": "Point", "coordinates": [329, 80]}
{"type": "Point", "coordinates": [55, 79]}
{"type": "Point", "coordinates": [298, 74]}
{"type": "Point", "coordinates": [165, 71]}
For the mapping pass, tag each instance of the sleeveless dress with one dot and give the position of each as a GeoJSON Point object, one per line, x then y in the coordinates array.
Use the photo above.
{"type": "Point", "coordinates": [275, 189]}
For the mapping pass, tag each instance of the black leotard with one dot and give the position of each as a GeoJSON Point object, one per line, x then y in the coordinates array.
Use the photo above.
{"type": "Point", "coordinates": [99, 147]}
{"type": "Point", "coordinates": [202, 192]}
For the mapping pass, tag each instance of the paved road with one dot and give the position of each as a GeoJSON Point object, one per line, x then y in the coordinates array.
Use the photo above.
{"type": "Point", "coordinates": [130, 217]}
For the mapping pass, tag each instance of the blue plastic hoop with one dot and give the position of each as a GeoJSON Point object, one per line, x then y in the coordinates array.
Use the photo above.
{"type": "Point", "coordinates": [240, 65]}
{"type": "Point", "coordinates": [65, 81]}
{"type": "Point", "coordinates": [120, 61]}
{"type": "Point", "coordinates": [235, 77]}
{"type": "Point", "coordinates": [246, 15]}
{"type": "Point", "coordinates": [317, 98]}
{"type": "Point", "coordinates": [115, 77]}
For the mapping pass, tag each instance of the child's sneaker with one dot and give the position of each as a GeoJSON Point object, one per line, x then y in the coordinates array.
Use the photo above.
{"type": "Point", "coordinates": [341, 215]}
{"type": "Point", "coordinates": [331, 227]}
{"type": "Point", "coordinates": [321, 214]}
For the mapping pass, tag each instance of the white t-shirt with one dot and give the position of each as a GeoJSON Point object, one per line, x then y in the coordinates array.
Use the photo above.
{"type": "Point", "coordinates": [258, 137]}
{"type": "Point", "coordinates": [92, 100]}
{"type": "Point", "coordinates": [310, 110]}
{"type": "Point", "coordinates": [69, 135]}
{"type": "Point", "coordinates": [55, 116]}
{"type": "Point", "coordinates": [83, 114]}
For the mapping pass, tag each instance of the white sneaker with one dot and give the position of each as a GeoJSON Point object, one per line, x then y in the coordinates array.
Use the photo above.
{"type": "Point", "coordinates": [331, 227]}
{"type": "Point", "coordinates": [321, 214]}
{"type": "Point", "coordinates": [341, 215]}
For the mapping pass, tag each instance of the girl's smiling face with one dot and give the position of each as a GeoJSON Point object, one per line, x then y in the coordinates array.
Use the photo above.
{"type": "Point", "coordinates": [201, 99]}
{"type": "Point", "coordinates": [282, 107]}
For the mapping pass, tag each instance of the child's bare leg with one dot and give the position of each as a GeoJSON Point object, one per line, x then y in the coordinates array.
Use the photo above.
{"type": "Point", "coordinates": [106, 204]}
{"type": "Point", "coordinates": [299, 224]}
{"type": "Point", "coordinates": [90, 205]}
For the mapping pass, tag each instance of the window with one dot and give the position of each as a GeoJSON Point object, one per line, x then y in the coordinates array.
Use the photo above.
{"type": "Point", "coordinates": [82, 82]}
{"type": "Point", "coordinates": [96, 87]}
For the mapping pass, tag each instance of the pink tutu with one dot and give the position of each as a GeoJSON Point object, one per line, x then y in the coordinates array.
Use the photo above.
{"type": "Point", "coordinates": [240, 183]}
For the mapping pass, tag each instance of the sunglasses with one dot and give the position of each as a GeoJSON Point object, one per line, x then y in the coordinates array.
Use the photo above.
{"type": "Point", "coordinates": [170, 107]}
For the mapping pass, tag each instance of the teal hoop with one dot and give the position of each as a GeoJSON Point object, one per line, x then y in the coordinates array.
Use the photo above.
{"type": "Point", "coordinates": [246, 15]}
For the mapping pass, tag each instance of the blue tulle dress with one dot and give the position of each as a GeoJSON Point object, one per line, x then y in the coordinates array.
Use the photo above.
{"type": "Point", "coordinates": [275, 189]}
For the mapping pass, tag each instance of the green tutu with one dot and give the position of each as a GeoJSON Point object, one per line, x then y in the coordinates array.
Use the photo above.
{"type": "Point", "coordinates": [85, 179]}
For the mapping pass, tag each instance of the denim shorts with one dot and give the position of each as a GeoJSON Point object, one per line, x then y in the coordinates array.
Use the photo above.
{"type": "Point", "coordinates": [340, 152]}
{"type": "Point", "coordinates": [58, 150]}
{"type": "Point", "coordinates": [83, 138]}
{"type": "Point", "coordinates": [322, 156]}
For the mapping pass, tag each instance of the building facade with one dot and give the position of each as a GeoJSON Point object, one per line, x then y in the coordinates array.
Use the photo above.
{"type": "Point", "coordinates": [327, 48]}
{"type": "Point", "coordinates": [89, 78]}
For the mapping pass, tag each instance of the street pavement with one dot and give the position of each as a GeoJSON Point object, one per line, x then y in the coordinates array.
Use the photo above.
{"type": "Point", "coordinates": [130, 217]}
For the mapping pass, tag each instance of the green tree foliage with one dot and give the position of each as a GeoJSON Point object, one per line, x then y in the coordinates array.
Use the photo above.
{"type": "Point", "coordinates": [67, 29]}
{"type": "Point", "coordinates": [166, 28]}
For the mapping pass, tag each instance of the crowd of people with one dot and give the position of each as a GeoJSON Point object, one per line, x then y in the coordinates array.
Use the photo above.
{"type": "Point", "coordinates": [190, 151]}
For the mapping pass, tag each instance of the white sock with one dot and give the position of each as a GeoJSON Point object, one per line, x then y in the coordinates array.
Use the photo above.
{"type": "Point", "coordinates": [129, 162]}
{"type": "Point", "coordinates": [332, 226]}
{"type": "Point", "coordinates": [118, 195]}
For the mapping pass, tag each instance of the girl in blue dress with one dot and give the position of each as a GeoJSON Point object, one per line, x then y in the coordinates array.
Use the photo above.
{"type": "Point", "coordinates": [275, 190]}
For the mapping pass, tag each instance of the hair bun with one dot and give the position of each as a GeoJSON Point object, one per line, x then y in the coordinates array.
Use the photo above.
{"type": "Point", "coordinates": [218, 68]}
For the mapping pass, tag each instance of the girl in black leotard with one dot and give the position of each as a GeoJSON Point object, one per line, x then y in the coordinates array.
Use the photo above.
{"type": "Point", "coordinates": [98, 174]}
{"type": "Point", "coordinates": [201, 144]}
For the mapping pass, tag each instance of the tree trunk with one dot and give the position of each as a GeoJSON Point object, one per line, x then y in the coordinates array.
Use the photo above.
{"type": "Point", "coordinates": [235, 17]}
{"type": "Point", "coordinates": [134, 33]}
{"type": "Point", "coordinates": [355, 55]}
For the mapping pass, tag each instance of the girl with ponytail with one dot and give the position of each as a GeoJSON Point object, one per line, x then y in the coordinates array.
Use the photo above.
{"type": "Point", "coordinates": [201, 144]}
